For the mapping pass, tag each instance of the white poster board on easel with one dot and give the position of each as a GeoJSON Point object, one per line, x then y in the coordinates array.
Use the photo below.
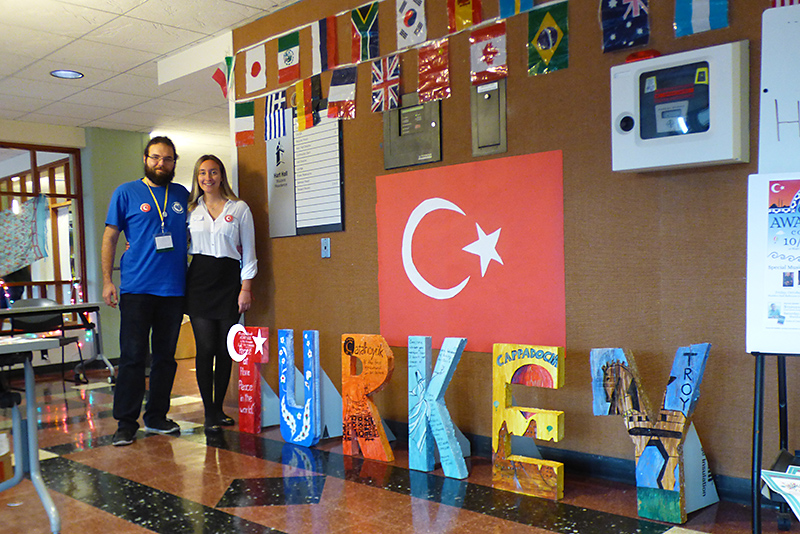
{"type": "Point", "coordinates": [773, 263]}
{"type": "Point", "coordinates": [779, 115]}
{"type": "Point", "coordinates": [773, 218]}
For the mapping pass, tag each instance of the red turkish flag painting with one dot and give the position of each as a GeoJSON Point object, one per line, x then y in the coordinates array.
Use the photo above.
{"type": "Point", "coordinates": [474, 250]}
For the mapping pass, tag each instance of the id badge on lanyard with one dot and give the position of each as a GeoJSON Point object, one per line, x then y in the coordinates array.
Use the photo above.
{"type": "Point", "coordinates": [163, 239]}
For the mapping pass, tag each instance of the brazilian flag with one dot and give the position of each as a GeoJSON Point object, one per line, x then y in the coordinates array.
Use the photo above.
{"type": "Point", "coordinates": [548, 38]}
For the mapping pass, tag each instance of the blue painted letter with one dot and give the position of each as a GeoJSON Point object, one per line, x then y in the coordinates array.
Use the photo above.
{"type": "Point", "coordinates": [428, 416]}
{"type": "Point", "coordinates": [299, 424]}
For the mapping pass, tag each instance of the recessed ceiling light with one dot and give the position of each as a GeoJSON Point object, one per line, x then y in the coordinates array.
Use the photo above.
{"type": "Point", "coordinates": [66, 74]}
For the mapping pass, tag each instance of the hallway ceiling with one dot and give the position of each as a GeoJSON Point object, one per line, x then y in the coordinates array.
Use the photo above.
{"type": "Point", "coordinates": [116, 44]}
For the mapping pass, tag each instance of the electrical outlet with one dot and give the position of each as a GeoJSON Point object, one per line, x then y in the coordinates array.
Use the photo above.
{"type": "Point", "coordinates": [326, 247]}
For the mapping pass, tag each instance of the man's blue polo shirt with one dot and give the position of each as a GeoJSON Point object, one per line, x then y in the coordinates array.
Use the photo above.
{"type": "Point", "coordinates": [134, 210]}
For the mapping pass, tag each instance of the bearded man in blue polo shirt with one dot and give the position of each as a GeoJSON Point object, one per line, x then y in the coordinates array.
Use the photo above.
{"type": "Point", "coordinates": [151, 212]}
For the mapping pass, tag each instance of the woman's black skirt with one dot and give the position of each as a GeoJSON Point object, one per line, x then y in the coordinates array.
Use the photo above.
{"type": "Point", "coordinates": [212, 287]}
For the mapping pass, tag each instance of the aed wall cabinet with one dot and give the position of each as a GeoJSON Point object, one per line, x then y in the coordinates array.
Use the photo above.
{"type": "Point", "coordinates": [412, 133]}
{"type": "Point", "coordinates": [682, 110]}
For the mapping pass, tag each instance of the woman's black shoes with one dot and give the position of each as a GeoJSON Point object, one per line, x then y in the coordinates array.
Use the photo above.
{"type": "Point", "coordinates": [214, 423]}
{"type": "Point", "coordinates": [224, 420]}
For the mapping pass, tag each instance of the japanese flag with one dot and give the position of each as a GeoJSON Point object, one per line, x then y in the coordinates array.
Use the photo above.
{"type": "Point", "coordinates": [256, 72]}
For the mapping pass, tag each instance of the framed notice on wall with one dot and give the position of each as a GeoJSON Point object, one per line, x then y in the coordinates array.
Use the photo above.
{"type": "Point", "coordinates": [773, 264]}
{"type": "Point", "coordinates": [304, 179]}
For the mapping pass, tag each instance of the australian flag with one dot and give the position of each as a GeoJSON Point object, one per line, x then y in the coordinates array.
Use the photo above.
{"type": "Point", "coordinates": [386, 83]}
{"type": "Point", "coordinates": [626, 23]}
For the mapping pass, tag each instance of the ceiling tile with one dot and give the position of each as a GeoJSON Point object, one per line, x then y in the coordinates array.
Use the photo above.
{"type": "Point", "coordinates": [54, 17]}
{"type": "Point", "coordinates": [106, 99]}
{"type": "Point", "coordinates": [202, 138]}
{"type": "Point", "coordinates": [146, 70]}
{"type": "Point", "coordinates": [137, 118]}
{"type": "Point", "coordinates": [116, 125]}
{"type": "Point", "coordinates": [48, 119]}
{"type": "Point", "coordinates": [267, 5]}
{"type": "Point", "coordinates": [133, 85]}
{"type": "Point", "coordinates": [206, 16]}
{"type": "Point", "coordinates": [30, 43]}
{"type": "Point", "coordinates": [20, 104]}
{"type": "Point", "coordinates": [198, 87]}
{"type": "Point", "coordinates": [76, 111]}
{"type": "Point", "coordinates": [218, 115]}
{"type": "Point", "coordinates": [11, 63]}
{"type": "Point", "coordinates": [41, 71]}
{"type": "Point", "coordinates": [102, 56]}
{"type": "Point", "coordinates": [195, 124]}
{"type": "Point", "coordinates": [168, 108]}
{"type": "Point", "coordinates": [49, 91]}
{"type": "Point", "coordinates": [10, 115]}
{"type": "Point", "coordinates": [112, 6]}
{"type": "Point", "coordinates": [142, 35]}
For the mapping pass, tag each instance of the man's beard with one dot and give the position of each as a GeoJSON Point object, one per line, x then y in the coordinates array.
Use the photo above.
{"type": "Point", "coordinates": [160, 179]}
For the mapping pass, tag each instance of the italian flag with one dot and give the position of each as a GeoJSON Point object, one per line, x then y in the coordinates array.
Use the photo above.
{"type": "Point", "coordinates": [245, 123]}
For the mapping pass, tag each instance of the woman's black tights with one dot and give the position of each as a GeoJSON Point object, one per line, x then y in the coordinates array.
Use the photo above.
{"type": "Point", "coordinates": [212, 362]}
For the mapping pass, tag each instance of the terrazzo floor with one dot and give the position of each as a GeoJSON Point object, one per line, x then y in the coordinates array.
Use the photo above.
{"type": "Point", "coordinates": [237, 482]}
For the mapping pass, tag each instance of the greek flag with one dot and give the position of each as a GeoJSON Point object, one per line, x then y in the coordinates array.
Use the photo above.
{"type": "Point", "coordinates": [274, 119]}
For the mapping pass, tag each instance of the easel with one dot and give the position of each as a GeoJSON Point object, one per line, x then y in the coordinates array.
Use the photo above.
{"type": "Point", "coordinates": [780, 78]}
{"type": "Point", "coordinates": [758, 435]}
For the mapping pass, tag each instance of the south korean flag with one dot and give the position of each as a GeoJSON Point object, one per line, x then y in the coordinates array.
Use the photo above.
{"type": "Point", "coordinates": [412, 29]}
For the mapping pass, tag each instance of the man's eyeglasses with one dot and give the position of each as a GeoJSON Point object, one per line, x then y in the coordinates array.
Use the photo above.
{"type": "Point", "coordinates": [167, 160]}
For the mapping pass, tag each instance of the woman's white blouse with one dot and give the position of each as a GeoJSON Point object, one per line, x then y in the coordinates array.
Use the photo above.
{"type": "Point", "coordinates": [231, 235]}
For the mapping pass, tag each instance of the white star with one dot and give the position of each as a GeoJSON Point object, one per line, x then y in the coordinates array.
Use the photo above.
{"type": "Point", "coordinates": [485, 247]}
{"type": "Point", "coordinates": [259, 342]}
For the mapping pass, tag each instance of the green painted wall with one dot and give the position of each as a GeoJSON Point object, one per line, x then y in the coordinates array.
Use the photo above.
{"type": "Point", "coordinates": [111, 157]}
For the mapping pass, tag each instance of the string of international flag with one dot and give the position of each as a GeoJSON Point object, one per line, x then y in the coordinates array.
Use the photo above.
{"type": "Point", "coordinates": [624, 23]}
{"type": "Point", "coordinates": [433, 81]}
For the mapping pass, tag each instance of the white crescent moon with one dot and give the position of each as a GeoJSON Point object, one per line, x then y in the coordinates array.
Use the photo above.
{"type": "Point", "coordinates": [425, 287]}
{"type": "Point", "coordinates": [235, 329]}
{"type": "Point", "coordinates": [774, 186]}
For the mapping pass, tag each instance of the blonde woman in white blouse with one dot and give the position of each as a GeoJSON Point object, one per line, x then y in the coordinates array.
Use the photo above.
{"type": "Point", "coordinates": [218, 284]}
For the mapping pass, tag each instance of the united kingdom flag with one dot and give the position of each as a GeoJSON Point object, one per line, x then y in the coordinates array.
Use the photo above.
{"type": "Point", "coordinates": [386, 84]}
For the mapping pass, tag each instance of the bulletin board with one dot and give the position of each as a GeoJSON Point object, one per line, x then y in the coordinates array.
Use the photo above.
{"type": "Point", "coordinates": [653, 261]}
